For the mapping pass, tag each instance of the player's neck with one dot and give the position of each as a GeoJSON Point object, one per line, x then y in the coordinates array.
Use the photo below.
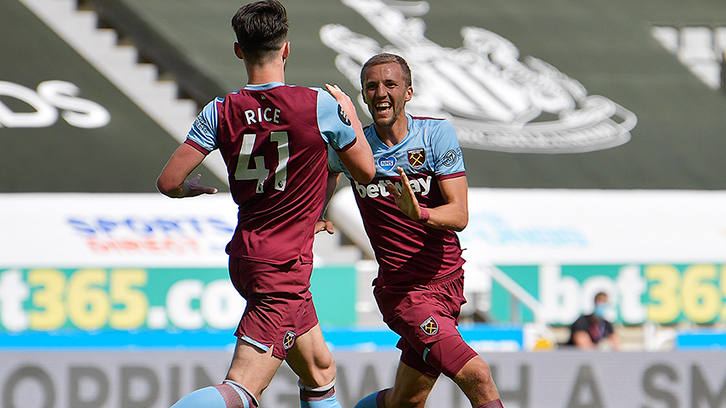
{"type": "Point", "coordinates": [264, 74]}
{"type": "Point", "coordinates": [394, 134]}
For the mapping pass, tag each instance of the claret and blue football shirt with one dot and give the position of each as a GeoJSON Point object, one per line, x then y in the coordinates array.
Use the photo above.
{"type": "Point", "coordinates": [274, 140]}
{"type": "Point", "coordinates": [407, 251]}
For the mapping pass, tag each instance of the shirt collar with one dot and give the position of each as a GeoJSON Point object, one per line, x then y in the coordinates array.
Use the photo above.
{"type": "Point", "coordinates": [262, 87]}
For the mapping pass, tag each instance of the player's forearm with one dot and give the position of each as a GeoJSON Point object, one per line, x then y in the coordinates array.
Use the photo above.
{"type": "Point", "coordinates": [332, 184]}
{"type": "Point", "coordinates": [454, 213]}
{"type": "Point", "coordinates": [169, 188]}
{"type": "Point", "coordinates": [447, 217]}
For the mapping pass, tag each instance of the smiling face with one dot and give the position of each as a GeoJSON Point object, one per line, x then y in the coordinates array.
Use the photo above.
{"type": "Point", "coordinates": [385, 92]}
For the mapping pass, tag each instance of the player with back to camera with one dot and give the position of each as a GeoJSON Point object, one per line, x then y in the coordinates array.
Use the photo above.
{"type": "Point", "coordinates": [411, 210]}
{"type": "Point", "coordinates": [274, 139]}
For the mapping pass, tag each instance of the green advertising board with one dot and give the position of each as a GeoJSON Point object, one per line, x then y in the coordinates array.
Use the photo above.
{"type": "Point", "coordinates": [144, 299]}
{"type": "Point", "coordinates": [661, 293]}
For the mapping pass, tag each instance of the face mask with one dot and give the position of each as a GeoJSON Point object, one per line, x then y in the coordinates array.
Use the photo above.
{"type": "Point", "coordinates": [600, 310]}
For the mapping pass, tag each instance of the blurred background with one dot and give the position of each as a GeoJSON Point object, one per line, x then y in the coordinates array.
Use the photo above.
{"type": "Point", "coordinates": [593, 136]}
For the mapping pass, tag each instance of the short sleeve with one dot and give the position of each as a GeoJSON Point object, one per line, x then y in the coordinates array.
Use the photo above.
{"type": "Point", "coordinates": [581, 324]}
{"type": "Point", "coordinates": [334, 125]}
{"type": "Point", "coordinates": [448, 157]}
{"type": "Point", "coordinates": [204, 129]}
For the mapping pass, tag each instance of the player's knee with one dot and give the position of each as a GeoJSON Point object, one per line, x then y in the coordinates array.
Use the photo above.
{"type": "Point", "coordinates": [322, 374]}
{"type": "Point", "coordinates": [476, 371]}
{"type": "Point", "coordinates": [449, 355]}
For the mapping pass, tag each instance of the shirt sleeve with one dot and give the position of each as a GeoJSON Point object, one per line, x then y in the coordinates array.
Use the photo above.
{"type": "Point", "coordinates": [334, 125]}
{"type": "Point", "coordinates": [448, 157]}
{"type": "Point", "coordinates": [204, 129]}
{"type": "Point", "coordinates": [581, 324]}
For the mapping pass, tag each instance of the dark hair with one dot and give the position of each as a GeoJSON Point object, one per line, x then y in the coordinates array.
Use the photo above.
{"type": "Point", "coordinates": [261, 27]}
{"type": "Point", "coordinates": [385, 58]}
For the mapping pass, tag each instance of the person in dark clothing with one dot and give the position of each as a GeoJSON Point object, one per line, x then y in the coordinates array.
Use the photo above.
{"type": "Point", "coordinates": [589, 330]}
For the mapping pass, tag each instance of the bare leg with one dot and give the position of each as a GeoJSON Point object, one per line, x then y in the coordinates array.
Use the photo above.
{"type": "Point", "coordinates": [311, 360]}
{"type": "Point", "coordinates": [252, 367]}
{"type": "Point", "coordinates": [475, 380]}
{"type": "Point", "coordinates": [410, 390]}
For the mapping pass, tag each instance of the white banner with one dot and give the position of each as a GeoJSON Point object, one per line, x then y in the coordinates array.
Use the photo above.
{"type": "Point", "coordinates": [114, 230]}
{"type": "Point", "coordinates": [538, 226]}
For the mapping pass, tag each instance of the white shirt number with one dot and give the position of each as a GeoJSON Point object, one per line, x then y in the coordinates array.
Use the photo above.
{"type": "Point", "coordinates": [254, 168]}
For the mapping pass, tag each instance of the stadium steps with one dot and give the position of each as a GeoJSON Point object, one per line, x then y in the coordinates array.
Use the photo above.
{"type": "Point", "coordinates": [122, 65]}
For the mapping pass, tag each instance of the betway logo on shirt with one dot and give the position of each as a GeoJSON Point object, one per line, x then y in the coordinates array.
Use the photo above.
{"type": "Point", "coordinates": [418, 185]}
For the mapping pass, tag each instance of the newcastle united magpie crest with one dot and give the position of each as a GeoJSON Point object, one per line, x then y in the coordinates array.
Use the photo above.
{"type": "Point", "coordinates": [494, 100]}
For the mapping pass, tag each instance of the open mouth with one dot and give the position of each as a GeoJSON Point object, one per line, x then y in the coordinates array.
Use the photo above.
{"type": "Point", "coordinates": [383, 108]}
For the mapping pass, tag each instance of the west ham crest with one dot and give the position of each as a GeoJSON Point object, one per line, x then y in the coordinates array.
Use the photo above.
{"type": "Point", "coordinates": [289, 340]}
{"type": "Point", "coordinates": [430, 326]}
{"type": "Point", "coordinates": [416, 157]}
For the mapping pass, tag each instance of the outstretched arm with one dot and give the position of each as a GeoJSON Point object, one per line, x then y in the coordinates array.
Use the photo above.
{"type": "Point", "coordinates": [452, 215]}
{"type": "Point", "coordinates": [171, 181]}
{"type": "Point", "coordinates": [358, 159]}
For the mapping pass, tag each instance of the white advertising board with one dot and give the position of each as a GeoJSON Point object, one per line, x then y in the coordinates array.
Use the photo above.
{"type": "Point", "coordinates": [114, 230]}
{"type": "Point", "coordinates": [539, 226]}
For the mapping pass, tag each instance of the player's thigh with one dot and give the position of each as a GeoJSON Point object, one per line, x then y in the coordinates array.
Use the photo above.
{"type": "Point", "coordinates": [253, 367]}
{"type": "Point", "coordinates": [410, 389]}
{"type": "Point", "coordinates": [311, 360]}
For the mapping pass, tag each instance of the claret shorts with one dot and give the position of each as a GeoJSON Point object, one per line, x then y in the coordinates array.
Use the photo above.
{"type": "Point", "coordinates": [279, 303]}
{"type": "Point", "coordinates": [423, 315]}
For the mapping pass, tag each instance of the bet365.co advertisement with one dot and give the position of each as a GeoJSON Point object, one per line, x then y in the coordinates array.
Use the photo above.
{"type": "Point", "coordinates": [109, 264]}
{"type": "Point", "coordinates": [661, 293]}
{"type": "Point", "coordinates": [45, 299]}
{"type": "Point", "coordinates": [107, 300]}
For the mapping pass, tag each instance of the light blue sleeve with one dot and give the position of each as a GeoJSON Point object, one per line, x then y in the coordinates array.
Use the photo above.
{"type": "Point", "coordinates": [204, 128]}
{"type": "Point", "coordinates": [334, 125]}
{"type": "Point", "coordinates": [448, 157]}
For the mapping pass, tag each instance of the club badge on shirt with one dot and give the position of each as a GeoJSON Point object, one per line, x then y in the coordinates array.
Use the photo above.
{"type": "Point", "coordinates": [416, 157]}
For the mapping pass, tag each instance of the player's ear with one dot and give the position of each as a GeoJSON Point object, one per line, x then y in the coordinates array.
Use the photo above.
{"type": "Point", "coordinates": [238, 51]}
{"type": "Point", "coordinates": [409, 93]}
{"type": "Point", "coordinates": [285, 51]}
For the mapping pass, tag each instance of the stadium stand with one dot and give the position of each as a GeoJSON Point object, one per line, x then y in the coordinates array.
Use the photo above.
{"type": "Point", "coordinates": [607, 47]}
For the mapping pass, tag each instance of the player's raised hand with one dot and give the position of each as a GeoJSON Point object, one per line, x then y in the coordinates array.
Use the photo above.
{"type": "Point", "coordinates": [345, 102]}
{"type": "Point", "coordinates": [405, 199]}
{"type": "Point", "coordinates": [192, 188]}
